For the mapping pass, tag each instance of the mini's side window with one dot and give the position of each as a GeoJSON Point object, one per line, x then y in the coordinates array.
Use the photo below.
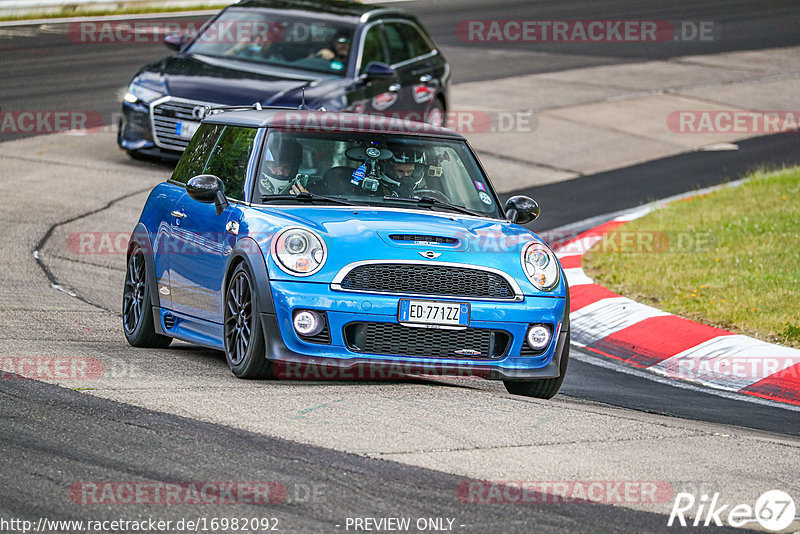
{"type": "Point", "coordinates": [194, 158]}
{"type": "Point", "coordinates": [229, 159]}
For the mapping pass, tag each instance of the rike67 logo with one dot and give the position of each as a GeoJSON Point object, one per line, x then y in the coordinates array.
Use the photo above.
{"type": "Point", "coordinates": [774, 510]}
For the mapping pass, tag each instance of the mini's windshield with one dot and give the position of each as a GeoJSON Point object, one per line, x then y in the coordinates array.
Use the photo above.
{"type": "Point", "coordinates": [267, 37]}
{"type": "Point", "coordinates": [376, 169]}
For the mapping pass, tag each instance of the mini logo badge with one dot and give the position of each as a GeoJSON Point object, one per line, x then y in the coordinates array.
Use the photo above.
{"type": "Point", "coordinates": [467, 352]}
{"type": "Point", "coordinates": [164, 290]}
{"type": "Point", "coordinates": [431, 255]}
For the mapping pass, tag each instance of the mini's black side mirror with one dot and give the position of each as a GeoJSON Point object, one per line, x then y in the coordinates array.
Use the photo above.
{"type": "Point", "coordinates": [379, 71]}
{"type": "Point", "coordinates": [521, 209]}
{"type": "Point", "coordinates": [174, 41]}
{"type": "Point", "coordinates": [207, 188]}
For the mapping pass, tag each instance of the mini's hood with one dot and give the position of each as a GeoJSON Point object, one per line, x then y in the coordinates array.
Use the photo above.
{"type": "Point", "coordinates": [234, 83]}
{"type": "Point", "coordinates": [361, 233]}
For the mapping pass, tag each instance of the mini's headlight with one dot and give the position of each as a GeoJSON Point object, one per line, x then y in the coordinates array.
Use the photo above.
{"type": "Point", "coordinates": [540, 266]}
{"type": "Point", "coordinates": [140, 93]}
{"type": "Point", "coordinates": [299, 252]}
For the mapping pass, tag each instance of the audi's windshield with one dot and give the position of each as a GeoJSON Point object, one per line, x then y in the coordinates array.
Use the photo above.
{"type": "Point", "coordinates": [272, 38]}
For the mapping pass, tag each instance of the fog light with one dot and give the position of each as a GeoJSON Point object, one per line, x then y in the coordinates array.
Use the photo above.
{"type": "Point", "coordinates": [308, 323]}
{"type": "Point", "coordinates": [538, 337]}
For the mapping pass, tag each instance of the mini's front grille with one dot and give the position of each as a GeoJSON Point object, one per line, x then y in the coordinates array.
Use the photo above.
{"type": "Point", "coordinates": [399, 340]}
{"type": "Point", "coordinates": [425, 238]}
{"type": "Point", "coordinates": [165, 119]}
{"type": "Point", "coordinates": [418, 279]}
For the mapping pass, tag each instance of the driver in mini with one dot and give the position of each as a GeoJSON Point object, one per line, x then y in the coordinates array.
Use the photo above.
{"type": "Point", "coordinates": [279, 169]}
{"type": "Point", "coordinates": [405, 172]}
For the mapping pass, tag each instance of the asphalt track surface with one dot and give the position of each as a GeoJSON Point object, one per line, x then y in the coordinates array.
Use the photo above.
{"type": "Point", "coordinates": [52, 436]}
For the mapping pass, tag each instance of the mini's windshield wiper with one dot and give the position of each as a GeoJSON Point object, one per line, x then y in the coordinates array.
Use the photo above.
{"type": "Point", "coordinates": [307, 197]}
{"type": "Point", "coordinates": [428, 202]}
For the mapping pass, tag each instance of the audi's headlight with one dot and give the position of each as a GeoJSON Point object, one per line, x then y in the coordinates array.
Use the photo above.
{"type": "Point", "coordinates": [299, 252]}
{"type": "Point", "coordinates": [141, 94]}
{"type": "Point", "coordinates": [541, 266]}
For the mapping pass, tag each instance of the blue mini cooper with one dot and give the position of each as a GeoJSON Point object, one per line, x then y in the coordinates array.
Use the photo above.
{"type": "Point", "coordinates": [305, 239]}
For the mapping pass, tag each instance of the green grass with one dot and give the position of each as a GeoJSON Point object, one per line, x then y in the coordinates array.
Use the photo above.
{"type": "Point", "coordinates": [730, 258]}
{"type": "Point", "coordinates": [78, 12]}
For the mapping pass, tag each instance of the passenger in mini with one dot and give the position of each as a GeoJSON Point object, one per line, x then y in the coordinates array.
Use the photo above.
{"type": "Point", "coordinates": [279, 169]}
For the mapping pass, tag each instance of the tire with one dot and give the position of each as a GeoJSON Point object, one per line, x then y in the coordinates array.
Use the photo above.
{"type": "Point", "coordinates": [137, 156]}
{"type": "Point", "coordinates": [435, 115]}
{"type": "Point", "coordinates": [243, 335]}
{"type": "Point", "coordinates": [544, 388]}
{"type": "Point", "coordinates": [137, 307]}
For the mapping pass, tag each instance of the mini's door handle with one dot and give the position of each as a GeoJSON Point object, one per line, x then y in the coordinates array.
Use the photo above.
{"type": "Point", "coordinates": [178, 214]}
{"type": "Point", "coordinates": [394, 87]}
{"type": "Point", "coordinates": [425, 78]}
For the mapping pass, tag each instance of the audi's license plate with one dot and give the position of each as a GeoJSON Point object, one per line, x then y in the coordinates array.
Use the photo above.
{"type": "Point", "coordinates": [432, 313]}
{"type": "Point", "coordinates": [186, 129]}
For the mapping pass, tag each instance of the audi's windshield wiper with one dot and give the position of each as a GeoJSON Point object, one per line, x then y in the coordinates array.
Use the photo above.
{"type": "Point", "coordinates": [429, 202]}
{"type": "Point", "coordinates": [307, 197]}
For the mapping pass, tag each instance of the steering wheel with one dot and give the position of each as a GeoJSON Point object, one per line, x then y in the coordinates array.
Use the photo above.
{"type": "Point", "coordinates": [433, 193]}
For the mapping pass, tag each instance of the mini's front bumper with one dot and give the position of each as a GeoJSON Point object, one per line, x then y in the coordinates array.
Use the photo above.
{"type": "Point", "coordinates": [303, 359]}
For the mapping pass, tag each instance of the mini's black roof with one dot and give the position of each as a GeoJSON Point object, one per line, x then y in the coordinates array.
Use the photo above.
{"type": "Point", "coordinates": [330, 121]}
{"type": "Point", "coordinates": [330, 7]}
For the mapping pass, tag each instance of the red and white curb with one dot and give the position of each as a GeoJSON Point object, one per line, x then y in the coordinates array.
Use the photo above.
{"type": "Point", "coordinates": [616, 327]}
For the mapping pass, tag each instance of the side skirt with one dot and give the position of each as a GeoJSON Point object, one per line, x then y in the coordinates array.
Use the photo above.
{"type": "Point", "coordinates": [188, 328]}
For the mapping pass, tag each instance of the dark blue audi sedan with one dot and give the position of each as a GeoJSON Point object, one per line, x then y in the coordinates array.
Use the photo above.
{"type": "Point", "coordinates": [340, 241]}
{"type": "Point", "coordinates": [332, 55]}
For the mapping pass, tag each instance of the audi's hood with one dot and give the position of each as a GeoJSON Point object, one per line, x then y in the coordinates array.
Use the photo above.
{"type": "Point", "coordinates": [230, 82]}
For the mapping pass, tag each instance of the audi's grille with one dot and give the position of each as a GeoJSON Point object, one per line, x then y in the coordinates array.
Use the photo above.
{"type": "Point", "coordinates": [398, 340]}
{"type": "Point", "coordinates": [413, 279]}
{"type": "Point", "coordinates": [165, 119]}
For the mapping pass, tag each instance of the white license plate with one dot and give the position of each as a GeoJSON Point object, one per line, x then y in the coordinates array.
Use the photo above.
{"type": "Point", "coordinates": [186, 129]}
{"type": "Point", "coordinates": [433, 313]}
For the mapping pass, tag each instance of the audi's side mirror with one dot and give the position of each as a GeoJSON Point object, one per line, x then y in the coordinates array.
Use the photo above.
{"type": "Point", "coordinates": [379, 71]}
{"type": "Point", "coordinates": [207, 188]}
{"type": "Point", "coordinates": [174, 41]}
